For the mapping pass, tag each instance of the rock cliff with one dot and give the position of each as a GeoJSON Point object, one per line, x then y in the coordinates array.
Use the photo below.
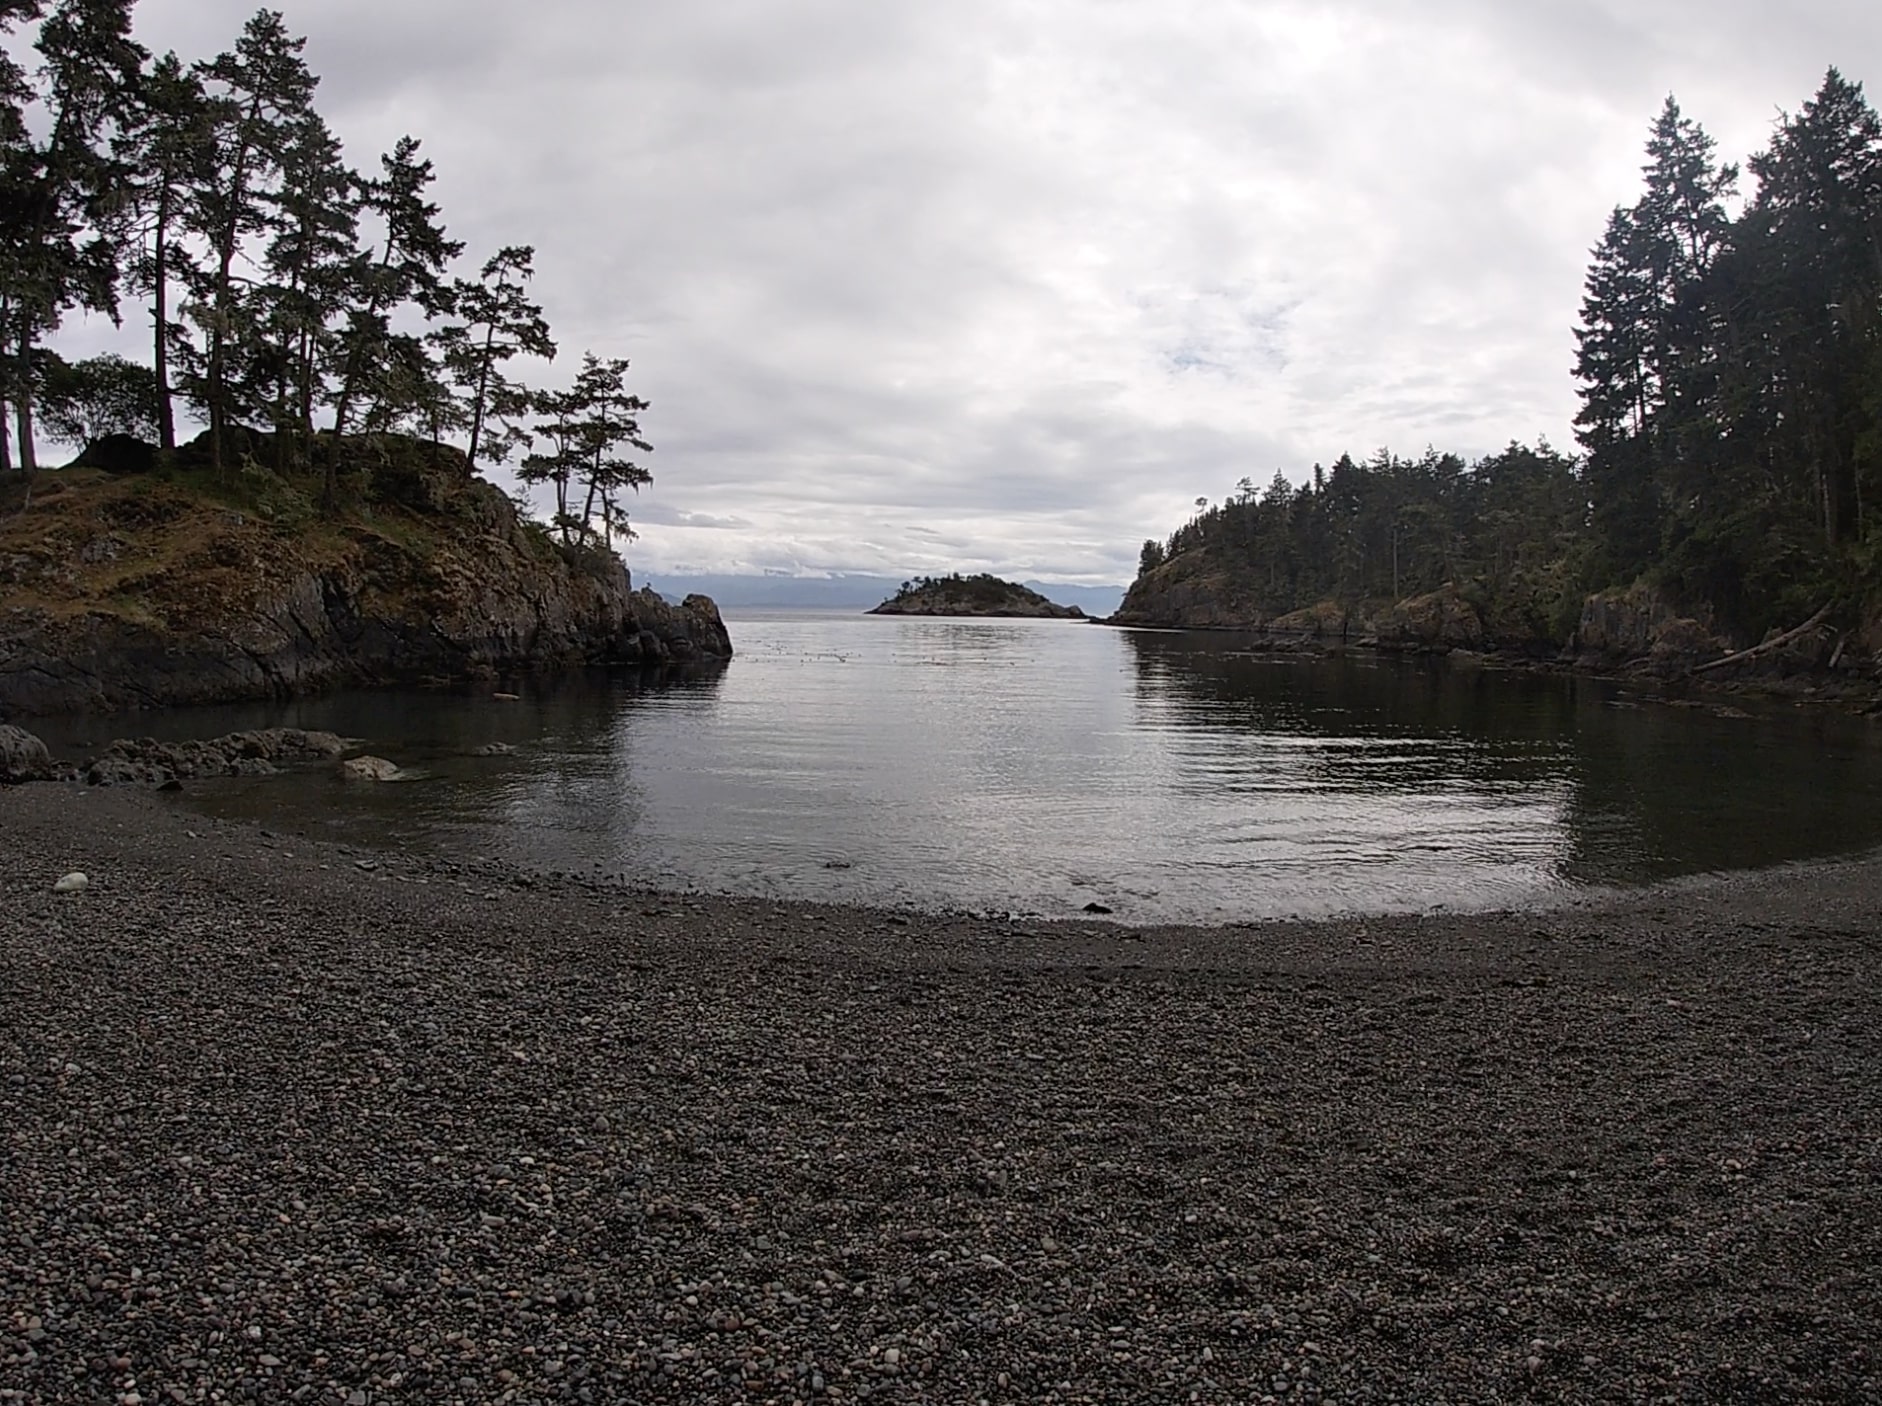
{"type": "Point", "coordinates": [163, 587]}
{"type": "Point", "coordinates": [1638, 631]}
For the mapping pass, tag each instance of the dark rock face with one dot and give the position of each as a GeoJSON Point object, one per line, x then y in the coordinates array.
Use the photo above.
{"type": "Point", "coordinates": [1640, 623]}
{"type": "Point", "coordinates": [197, 604]}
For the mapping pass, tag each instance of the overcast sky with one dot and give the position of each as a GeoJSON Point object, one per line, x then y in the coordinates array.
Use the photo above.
{"type": "Point", "coordinates": [1008, 284]}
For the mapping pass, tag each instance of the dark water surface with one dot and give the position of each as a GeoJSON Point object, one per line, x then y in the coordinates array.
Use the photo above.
{"type": "Point", "coordinates": [1038, 766]}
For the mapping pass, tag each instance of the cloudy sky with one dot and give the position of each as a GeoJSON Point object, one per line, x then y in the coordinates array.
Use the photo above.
{"type": "Point", "coordinates": [1008, 284]}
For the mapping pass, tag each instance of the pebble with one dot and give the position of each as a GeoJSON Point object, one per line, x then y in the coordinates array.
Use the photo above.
{"type": "Point", "coordinates": [74, 882]}
{"type": "Point", "coordinates": [432, 1151]}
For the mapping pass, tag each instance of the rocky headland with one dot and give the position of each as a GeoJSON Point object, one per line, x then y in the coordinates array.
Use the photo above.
{"type": "Point", "coordinates": [1638, 632]}
{"type": "Point", "coordinates": [974, 595]}
{"type": "Point", "coordinates": [139, 581]}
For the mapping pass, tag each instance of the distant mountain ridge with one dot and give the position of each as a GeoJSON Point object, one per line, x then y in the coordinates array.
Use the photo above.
{"type": "Point", "coordinates": [843, 592]}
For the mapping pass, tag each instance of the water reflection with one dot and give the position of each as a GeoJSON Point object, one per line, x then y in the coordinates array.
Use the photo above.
{"type": "Point", "coordinates": [1037, 766]}
{"type": "Point", "coordinates": [1631, 787]}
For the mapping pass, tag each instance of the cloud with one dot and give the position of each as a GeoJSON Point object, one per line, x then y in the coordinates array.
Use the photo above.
{"type": "Point", "coordinates": [1007, 285]}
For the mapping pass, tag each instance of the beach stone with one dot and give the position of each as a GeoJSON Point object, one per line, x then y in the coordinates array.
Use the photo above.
{"type": "Point", "coordinates": [369, 769]}
{"type": "Point", "coordinates": [74, 882]}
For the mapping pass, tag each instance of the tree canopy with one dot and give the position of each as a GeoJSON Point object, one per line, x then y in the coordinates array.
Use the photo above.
{"type": "Point", "coordinates": [291, 299]}
{"type": "Point", "coordinates": [1730, 374]}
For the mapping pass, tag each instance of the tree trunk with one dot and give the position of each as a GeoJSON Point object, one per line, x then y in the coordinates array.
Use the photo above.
{"type": "Point", "coordinates": [483, 389]}
{"type": "Point", "coordinates": [588, 506]}
{"type": "Point", "coordinates": [23, 418]}
{"type": "Point", "coordinates": [166, 412]}
{"type": "Point", "coordinates": [225, 252]}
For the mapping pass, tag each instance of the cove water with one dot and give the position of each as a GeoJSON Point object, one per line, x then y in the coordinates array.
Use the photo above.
{"type": "Point", "coordinates": [1039, 766]}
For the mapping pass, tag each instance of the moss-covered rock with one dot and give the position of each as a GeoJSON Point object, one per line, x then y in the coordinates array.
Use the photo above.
{"type": "Point", "coordinates": [254, 585]}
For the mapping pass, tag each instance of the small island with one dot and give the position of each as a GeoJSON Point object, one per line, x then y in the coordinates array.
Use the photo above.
{"type": "Point", "coordinates": [983, 594]}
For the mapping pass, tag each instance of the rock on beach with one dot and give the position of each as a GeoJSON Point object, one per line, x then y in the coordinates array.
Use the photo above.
{"type": "Point", "coordinates": [280, 1126]}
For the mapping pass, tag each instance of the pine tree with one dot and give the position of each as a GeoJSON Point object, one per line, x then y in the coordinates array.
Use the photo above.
{"type": "Point", "coordinates": [1647, 345]}
{"type": "Point", "coordinates": [559, 422]}
{"type": "Point", "coordinates": [162, 150]}
{"type": "Point", "coordinates": [57, 249]}
{"type": "Point", "coordinates": [610, 422]}
{"type": "Point", "coordinates": [16, 94]}
{"type": "Point", "coordinates": [312, 260]}
{"type": "Point", "coordinates": [499, 323]}
{"type": "Point", "coordinates": [409, 271]}
{"type": "Point", "coordinates": [1818, 229]}
{"type": "Point", "coordinates": [259, 96]}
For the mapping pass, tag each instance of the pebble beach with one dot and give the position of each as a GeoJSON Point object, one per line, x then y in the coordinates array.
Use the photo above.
{"type": "Point", "coordinates": [288, 1121]}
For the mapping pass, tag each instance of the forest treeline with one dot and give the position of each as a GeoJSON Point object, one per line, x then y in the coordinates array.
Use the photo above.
{"type": "Point", "coordinates": [285, 291]}
{"type": "Point", "coordinates": [1729, 356]}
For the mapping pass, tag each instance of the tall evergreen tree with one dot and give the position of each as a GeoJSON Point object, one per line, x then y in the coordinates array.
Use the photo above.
{"type": "Point", "coordinates": [1647, 343]}
{"type": "Point", "coordinates": [16, 94]}
{"type": "Point", "coordinates": [162, 150]}
{"type": "Point", "coordinates": [409, 270]}
{"type": "Point", "coordinates": [312, 261]}
{"type": "Point", "coordinates": [259, 95]}
{"type": "Point", "coordinates": [57, 249]}
{"type": "Point", "coordinates": [610, 424]}
{"type": "Point", "coordinates": [498, 323]}
{"type": "Point", "coordinates": [1816, 227]}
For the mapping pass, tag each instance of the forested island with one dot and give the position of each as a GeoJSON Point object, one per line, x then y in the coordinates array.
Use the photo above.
{"type": "Point", "coordinates": [311, 316]}
{"type": "Point", "coordinates": [980, 594]}
{"type": "Point", "coordinates": [1727, 495]}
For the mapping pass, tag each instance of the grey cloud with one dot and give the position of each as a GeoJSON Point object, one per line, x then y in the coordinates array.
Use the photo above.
{"type": "Point", "coordinates": [1008, 285]}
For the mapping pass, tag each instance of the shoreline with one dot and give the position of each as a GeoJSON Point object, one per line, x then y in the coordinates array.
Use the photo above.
{"type": "Point", "coordinates": [1852, 694]}
{"type": "Point", "coordinates": [287, 1116]}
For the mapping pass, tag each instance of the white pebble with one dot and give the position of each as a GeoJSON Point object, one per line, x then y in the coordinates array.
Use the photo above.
{"type": "Point", "coordinates": [71, 883]}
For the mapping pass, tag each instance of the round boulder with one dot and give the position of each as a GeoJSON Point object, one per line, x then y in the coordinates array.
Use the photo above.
{"type": "Point", "coordinates": [23, 757]}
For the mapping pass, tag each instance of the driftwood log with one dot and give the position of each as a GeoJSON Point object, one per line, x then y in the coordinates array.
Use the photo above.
{"type": "Point", "coordinates": [1776, 643]}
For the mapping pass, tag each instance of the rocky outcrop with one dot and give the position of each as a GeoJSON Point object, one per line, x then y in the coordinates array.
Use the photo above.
{"type": "Point", "coordinates": [262, 752]}
{"type": "Point", "coordinates": [151, 590]}
{"type": "Point", "coordinates": [1441, 620]}
{"type": "Point", "coordinates": [974, 595]}
{"type": "Point", "coordinates": [1640, 623]}
{"type": "Point", "coordinates": [23, 757]}
{"type": "Point", "coordinates": [1191, 592]}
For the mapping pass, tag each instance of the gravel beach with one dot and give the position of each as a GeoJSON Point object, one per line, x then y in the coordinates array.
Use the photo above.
{"type": "Point", "coordinates": [288, 1122]}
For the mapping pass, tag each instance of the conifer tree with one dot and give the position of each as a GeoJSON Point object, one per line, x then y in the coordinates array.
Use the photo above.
{"type": "Point", "coordinates": [311, 261]}
{"type": "Point", "coordinates": [259, 96]}
{"type": "Point", "coordinates": [610, 424]}
{"type": "Point", "coordinates": [1816, 243]}
{"type": "Point", "coordinates": [498, 323]}
{"type": "Point", "coordinates": [409, 270]}
{"type": "Point", "coordinates": [162, 150]}
{"type": "Point", "coordinates": [57, 249]}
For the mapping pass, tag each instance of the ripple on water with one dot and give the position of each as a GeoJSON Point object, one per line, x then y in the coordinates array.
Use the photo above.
{"type": "Point", "coordinates": [1037, 766]}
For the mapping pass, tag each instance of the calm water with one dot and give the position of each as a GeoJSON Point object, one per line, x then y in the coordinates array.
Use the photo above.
{"type": "Point", "coordinates": [1039, 766]}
